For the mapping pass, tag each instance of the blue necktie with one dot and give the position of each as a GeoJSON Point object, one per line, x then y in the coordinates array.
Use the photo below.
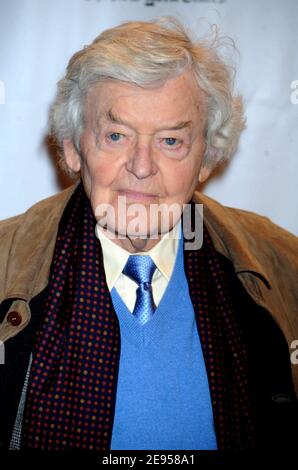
{"type": "Point", "coordinates": [140, 268]}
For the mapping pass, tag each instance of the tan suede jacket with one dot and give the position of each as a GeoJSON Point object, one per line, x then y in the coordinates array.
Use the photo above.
{"type": "Point", "coordinates": [264, 257]}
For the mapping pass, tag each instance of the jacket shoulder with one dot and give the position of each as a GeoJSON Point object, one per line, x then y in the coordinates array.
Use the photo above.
{"type": "Point", "coordinates": [46, 206]}
{"type": "Point", "coordinates": [27, 235]}
{"type": "Point", "coordinates": [262, 229]}
{"type": "Point", "coordinates": [252, 241]}
{"type": "Point", "coordinates": [254, 224]}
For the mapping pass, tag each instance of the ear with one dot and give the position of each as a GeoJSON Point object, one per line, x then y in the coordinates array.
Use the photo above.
{"type": "Point", "coordinates": [204, 173]}
{"type": "Point", "coordinates": [72, 156]}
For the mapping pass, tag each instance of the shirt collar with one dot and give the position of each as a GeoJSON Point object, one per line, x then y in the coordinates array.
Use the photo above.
{"type": "Point", "coordinates": [163, 254]}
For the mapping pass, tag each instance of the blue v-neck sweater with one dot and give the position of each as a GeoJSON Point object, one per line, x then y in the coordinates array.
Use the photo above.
{"type": "Point", "coordinates": [163, 399]}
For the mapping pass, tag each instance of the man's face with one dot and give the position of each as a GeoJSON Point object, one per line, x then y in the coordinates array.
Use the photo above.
{"type": "Point", "coordinates": [145, 145]}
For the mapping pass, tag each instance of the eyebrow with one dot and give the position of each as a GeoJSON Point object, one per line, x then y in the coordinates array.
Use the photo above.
{"type": "Point", "coordinates": [117, 120]}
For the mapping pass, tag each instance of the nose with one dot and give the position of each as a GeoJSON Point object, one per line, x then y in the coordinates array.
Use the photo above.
{"type": "Point", "coordinates": [141, 163]}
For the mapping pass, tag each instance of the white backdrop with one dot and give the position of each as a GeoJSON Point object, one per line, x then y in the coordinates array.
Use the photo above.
{"type": "Point", "coordinates": [39, 36]}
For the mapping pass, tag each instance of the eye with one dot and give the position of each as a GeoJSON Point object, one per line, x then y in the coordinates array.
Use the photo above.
{"type": "Point", "coordinates": [115, 136]}
{"type": "Point", "coordinates": [171, 141]}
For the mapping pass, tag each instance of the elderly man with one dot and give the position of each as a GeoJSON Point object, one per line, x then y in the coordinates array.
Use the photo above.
{"type": "Point", "coordinates": [118, 333]}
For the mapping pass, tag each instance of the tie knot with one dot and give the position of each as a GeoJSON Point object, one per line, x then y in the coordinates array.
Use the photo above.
{"type": "Point", "coordinates": [140, 268]}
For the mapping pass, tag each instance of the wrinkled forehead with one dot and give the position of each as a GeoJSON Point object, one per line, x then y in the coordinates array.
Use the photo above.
{"type": "Point", "coordinates": [178, 99]}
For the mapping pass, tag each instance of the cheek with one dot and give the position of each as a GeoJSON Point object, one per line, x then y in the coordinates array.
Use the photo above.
{"type": "Point", "coordinates": [180, 179]}
{"type": "Point", "coordinates": [100, 171]}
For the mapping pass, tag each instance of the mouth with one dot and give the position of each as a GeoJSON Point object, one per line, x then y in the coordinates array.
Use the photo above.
{"type": "Point", "coordinates": [137, 196]}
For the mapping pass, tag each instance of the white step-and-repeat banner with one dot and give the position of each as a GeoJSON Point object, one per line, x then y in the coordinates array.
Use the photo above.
{"type": "Point", "coordinates": [39, 36]}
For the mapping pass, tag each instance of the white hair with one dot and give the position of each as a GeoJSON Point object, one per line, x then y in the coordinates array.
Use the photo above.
{"type": "Point", "coordinates": [144, 54]}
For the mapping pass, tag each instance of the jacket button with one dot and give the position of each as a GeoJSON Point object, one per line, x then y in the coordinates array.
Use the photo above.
{"type": "Point", "coordinates": [281, 398]}
{"type": "Point", "coordinates": [14, 318]}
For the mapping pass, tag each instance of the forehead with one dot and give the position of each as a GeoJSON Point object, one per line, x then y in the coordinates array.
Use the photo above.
{"type": "Point", "coordinates": [176, 99]}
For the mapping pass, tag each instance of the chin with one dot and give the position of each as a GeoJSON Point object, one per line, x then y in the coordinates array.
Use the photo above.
{"type": "Point", "coordinates": [154, 233]}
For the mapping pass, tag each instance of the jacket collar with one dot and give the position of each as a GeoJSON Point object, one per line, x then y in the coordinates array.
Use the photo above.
{"type": "Point", "coordinates": [233, 233]}
{"type": "Point", "coordinates": [34, 238]}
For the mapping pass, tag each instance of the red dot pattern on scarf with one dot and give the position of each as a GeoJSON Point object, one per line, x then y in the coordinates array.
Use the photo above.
{"type": "Point", "coordinates": [223, 347]}
{"type": "Point", "coordinates": [70, 399]}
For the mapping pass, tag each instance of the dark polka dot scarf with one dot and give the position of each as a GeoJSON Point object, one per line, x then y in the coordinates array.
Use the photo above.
{"type": "Point", "coordinates": [223, 346]}
{"type": "Point", "coordinates": [73, 379]}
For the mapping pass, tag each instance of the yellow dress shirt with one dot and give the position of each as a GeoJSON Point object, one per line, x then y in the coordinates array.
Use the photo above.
{"type": "Point", "coordinates": [115, 257]}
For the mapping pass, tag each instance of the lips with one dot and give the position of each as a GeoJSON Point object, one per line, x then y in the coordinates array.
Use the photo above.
{"type": "Point", "coordinates": [137, 195]}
